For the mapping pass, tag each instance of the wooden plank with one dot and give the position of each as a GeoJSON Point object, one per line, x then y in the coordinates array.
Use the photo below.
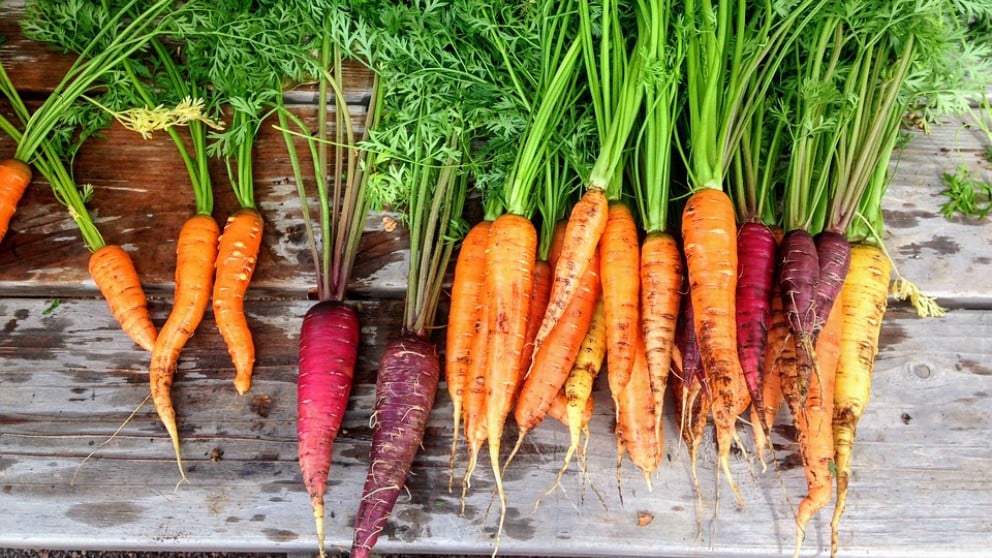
{"type": "Point", "coordinates": [69, 378]}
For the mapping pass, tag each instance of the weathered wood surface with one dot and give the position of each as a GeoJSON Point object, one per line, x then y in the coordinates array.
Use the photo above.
{"type": "Point", "coordinates": [68, 378]}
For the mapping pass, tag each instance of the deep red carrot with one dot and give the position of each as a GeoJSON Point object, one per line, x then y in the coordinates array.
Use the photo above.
{"type": "Point", "coordinates": [237, 253]}
{"type": "Point", "coordinates": [328, 352]}
{"type": "Point", "coordinates": [114, 274]}
{"type": "Point", "coordinates": [14, 179]}
{"type": "Point", "coordinates": [834, 255]}
{"type": "Point", "coordinates": [799, 270]}
{"type": "Point", "coordinates": [405, 388]}
{"type": "Point", "coordinates": [756, 249]}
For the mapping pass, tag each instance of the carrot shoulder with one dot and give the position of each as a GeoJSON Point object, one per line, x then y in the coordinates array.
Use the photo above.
{"type": "Point", "coordinates": [237, 254]}
{"type": "Point", "coordinates": [196, 252]}
{"type": "Point", "coordinates": [114, 274]}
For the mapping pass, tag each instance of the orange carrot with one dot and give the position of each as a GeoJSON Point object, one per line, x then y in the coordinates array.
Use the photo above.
{"type": "Point", "coordinates": [815, 425]}
{"type": "Point", "coordinates": [510, 257]}
{"type": "Point", "coordinates": [237, 253]}
{"type": "Point", "coordinates": [621, 293]}
{"type": "Point", "coordinates": [780, 355]}
{"type": "Point", "coordinates": [114, 274]}
{"type": "Point", "coordinates": [196, 252]}
{"type": "Point", "coordinates": [636, 421]}
{"type": "Point", "coordinates": [14, 179]}
{"type": "Point", "coordinates": [538, 304]}
{"type": "Point", "coordinates": [661, 282]}
{"type": "Point", "coordinates": [475, 395]}
{"type": "Point", "coordinates": [710, 237]}
{"type": "Point", "coordinates": [582, 233]}
{"type": "Point", "coordinates": [553, 360]}
{"type": "Point", "coordinates": [463, 322]}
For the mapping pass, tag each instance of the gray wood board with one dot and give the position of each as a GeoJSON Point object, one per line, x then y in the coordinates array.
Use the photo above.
{"type": "Point", "coordinates": [921, 484]}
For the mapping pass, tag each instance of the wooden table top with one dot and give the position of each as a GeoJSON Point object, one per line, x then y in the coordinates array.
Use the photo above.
{"type": "Point", "coordinates": [921, 485]}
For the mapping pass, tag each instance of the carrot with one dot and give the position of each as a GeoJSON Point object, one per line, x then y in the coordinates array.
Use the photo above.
{"type": "Point", "coordinates": [196, 252]}
{"type": "Point", "coordinates": [578, 386]}
{"type": "Point", "coordinates": [541, 291]}
{"type": "Point", "coordinates": [661, 281]}
{"type": "Point", "coordinates": [815, 432]}
{"type": "Point", "coordinates": [756, 248]}
{"type": "Point", "coordinates": [863, 300]}
{"type": "Point", "coordinates": [710, 241]}
{"type": "Point", "coordinates": [636, 429]}
{"type": "Point", "coordinates": [510, 257]}
{"type": "Point", "coordinates": [237, 254]}
{"type": "Point", "coordinates": [586, 224]}
{"type": "Point", "coordinates": [464, 315]}
{"type": "Point", "coordinates": [474, 406]}
{"type": "Point", "coordinates": [328, 352]}
{"type": "Point", "coordinates": [405, 388]}
{"type": "Point", "coordinates": [621, 293]}
{"type": "Point", "coordinates": [834, 255]}
{"type": "Point", "coordinates": [114, 274]}
{"type": "Point", "coordinates": [779, 360]}
{"type": "Point", "coordinates": [14, 179]}
{"type": "Point", "coordinates": [554, 359]}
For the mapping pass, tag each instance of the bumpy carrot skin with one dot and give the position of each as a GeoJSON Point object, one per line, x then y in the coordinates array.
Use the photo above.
{"type": "Point", "coordinates": [863, 301]}
{"type": "Point", "coordinates": [710, 239]}
{"type": "Point", "coordinates": [196, 252]}
{"type": "Point", "coordinates": [463, 324]}
{"type": "Point", "coordinates": [510, 260]}
{"type": "Point", "coordinates": [538, 305]}
{"type": "Point", "coordinates": [237, 255]}
{"type": "Point", "coordinates": [621, 292]}
{"type": "Point", "coordinates": [328, 351]}
{"type": "Point", "coordinates": [816, 441]}
{"type": "Point", "coordinates": [405, 389]}
{"type": "Point", "coordinates": [661, 285]}
{"type": "Point", "coordinates": [554, 359]}
{"type": "Point", "coordinates": [636, 420]}
{"type": "Point", "coordinates": [114, 274]}
{"type": "Point", "coordinates": [756, 248]}
{"type": "Point", "coordinates": [474, 405]}
{"type": "Point", "coordinates": [834, 255]}
{"type": "Point", "coordinates": [15, 177]}
{"type": "Point", "coordinates": [586, 224]}
{"type": "Point", "coordinates": [779, 361]}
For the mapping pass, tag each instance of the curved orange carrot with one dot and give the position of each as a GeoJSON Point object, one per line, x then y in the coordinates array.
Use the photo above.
{"type": "Point", "coordinates": [582, 233]}
{"type": "Point", "coordinates": [464, 315]}
{"type": "Point", "coordinates": [510, 260]}
{"type": "Point", "coordinates": [554, 359]}
{"type": "Point", "coordinates": [196, 252]}
{"type": "Point", "coordinates": [619, 247]}
{"type": "Point", "coordinates": [636, 420]}
{"type": "Point", "coordinates": [816, 438]}
{"type": "Point", "coordinates": [538, 304]}
{"type": "Point", "coordinates": [710, 238]}
{"type": "Point", "coordinates": [661, 283]}
{"type": "Point", "coordinates": [475, 395]}
{"type": "Point", "coordinates": [237, 253]}
{"type": "Point", "coordinates": [14, 179]}
{"type": "Point", "coordinates": [114, 274]}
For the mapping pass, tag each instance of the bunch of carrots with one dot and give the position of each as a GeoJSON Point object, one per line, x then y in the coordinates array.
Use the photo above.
{"type": "Point", "coordinates": [702, 217]}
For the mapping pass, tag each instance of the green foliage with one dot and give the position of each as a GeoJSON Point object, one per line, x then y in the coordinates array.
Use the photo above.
{"type": "Point", "coordinates": [967, 194]}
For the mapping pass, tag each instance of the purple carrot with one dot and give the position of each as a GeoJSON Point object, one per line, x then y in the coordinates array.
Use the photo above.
{"type": "Point", "coordinates": [405, 390]}
{"type": "Point", "coordinates": [834, 253]}
{"type": "Point", "coordinates": [756, 250]}
{"type": "Point", "coordinates": [328, 351]}
{"type": "Point", "coordinates": [799, 275]}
